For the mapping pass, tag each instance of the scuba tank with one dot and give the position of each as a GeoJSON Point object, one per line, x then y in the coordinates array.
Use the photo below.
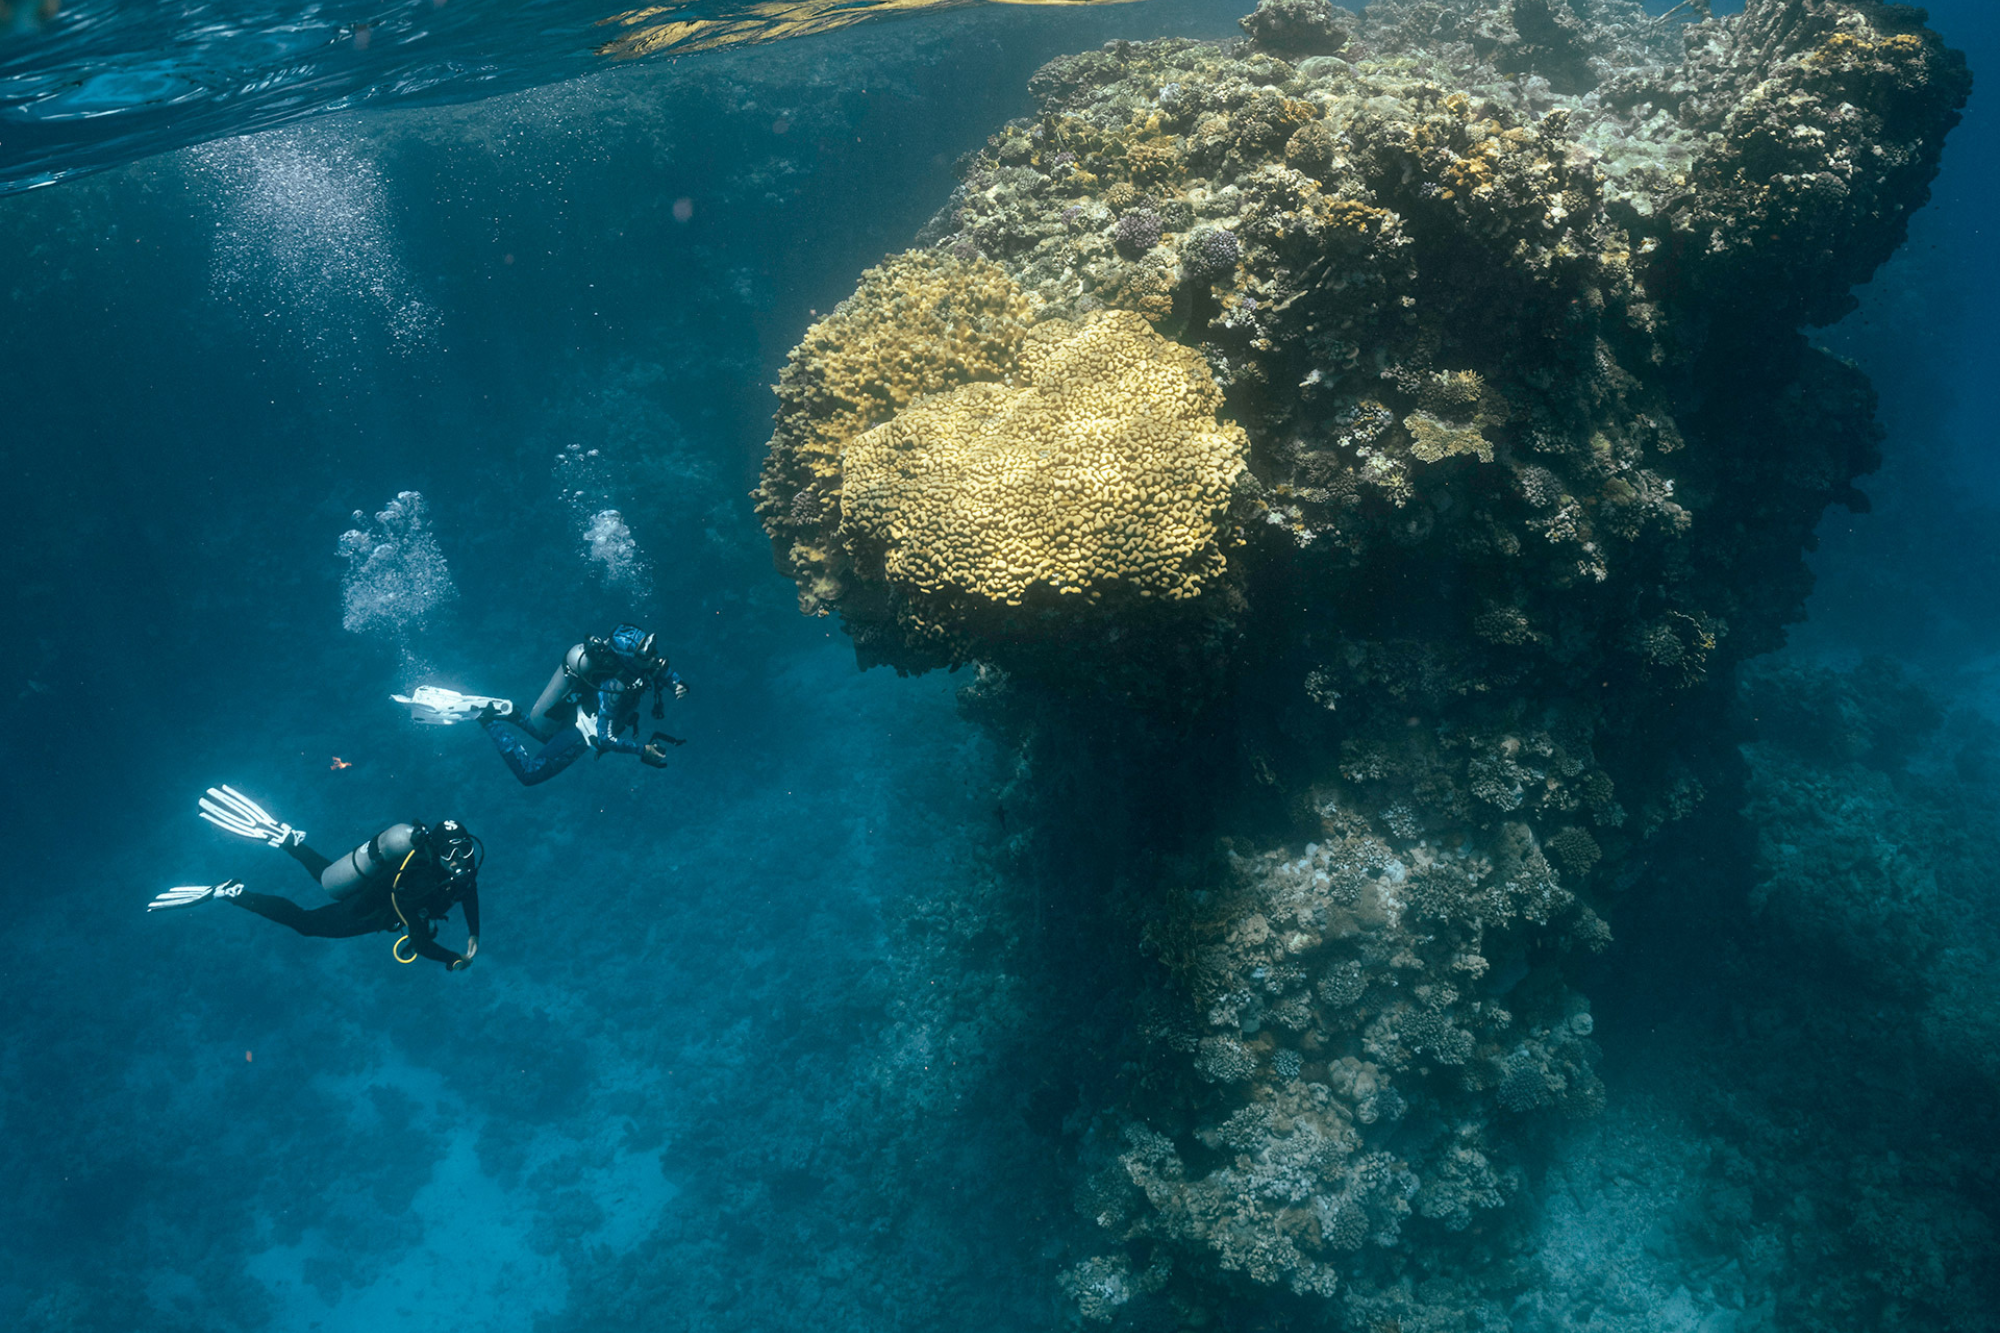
{"type": "Point", "coordinates": [583, 669]}
{"type": "Point", "coordinates": [381, 855]}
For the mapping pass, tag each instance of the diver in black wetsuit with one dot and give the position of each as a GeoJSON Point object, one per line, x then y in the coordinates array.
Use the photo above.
{"type": "Point", "coordinates": [406, 878]}
{"type": "Point", "coordinates": [589, 704]}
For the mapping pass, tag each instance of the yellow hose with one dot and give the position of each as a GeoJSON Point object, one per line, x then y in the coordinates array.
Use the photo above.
{"type": "Point", "coordinates": [396, 949]}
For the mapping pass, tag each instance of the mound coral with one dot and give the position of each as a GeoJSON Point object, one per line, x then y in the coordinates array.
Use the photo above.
{"type": "Point", "coordinates": [921, 323]}
{"type": "Point", "coordinates": [1099, 474]}
{"type": "Point", "coordinates": [1297, 28]}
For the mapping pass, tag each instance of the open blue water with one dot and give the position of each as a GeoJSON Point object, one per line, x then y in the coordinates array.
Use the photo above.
{"type": "Point", "coordinates": [716, 1067]}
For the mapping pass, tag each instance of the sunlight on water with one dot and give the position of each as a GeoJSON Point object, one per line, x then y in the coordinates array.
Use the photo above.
{"type": "Point", "coordinates": [88, 85]}
{"type": "Point", "coordinates": [703, 27]}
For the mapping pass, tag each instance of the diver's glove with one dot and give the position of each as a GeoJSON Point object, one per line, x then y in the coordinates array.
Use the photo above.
{"type": "Point", "coordinates": [680, 692]}
{"type": "Point", "coordinates": [233, 812]}
{"type": "Point", "coordinates": [459, 964]}
{"type": "Point", "coordinates": [655, 753]}
{"type": "Point", "coordinates": [191, 894]}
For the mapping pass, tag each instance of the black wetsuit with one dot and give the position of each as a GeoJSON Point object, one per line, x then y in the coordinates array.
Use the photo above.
{"type": "Point", "coordinates": [378, 886]}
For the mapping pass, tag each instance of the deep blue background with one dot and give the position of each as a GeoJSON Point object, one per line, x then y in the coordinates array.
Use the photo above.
{"type": "Point", "coordinates": [700, 1075]}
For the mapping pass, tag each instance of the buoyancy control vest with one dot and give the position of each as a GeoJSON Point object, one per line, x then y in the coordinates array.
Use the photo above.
{"type": "Point", "coordinates": [592, 663]}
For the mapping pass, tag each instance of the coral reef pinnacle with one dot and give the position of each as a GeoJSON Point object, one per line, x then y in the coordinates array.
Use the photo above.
{"type": "Point", "coordinates": [1472, 336]}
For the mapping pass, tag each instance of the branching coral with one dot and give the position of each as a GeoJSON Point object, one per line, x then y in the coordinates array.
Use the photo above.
{"type": "Point", "coordinates": [1345, 996]}
{"type": "Point", "coordinates": [1137, 232]}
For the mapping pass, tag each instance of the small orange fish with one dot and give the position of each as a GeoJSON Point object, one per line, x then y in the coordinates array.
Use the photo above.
{"type": "Point", "coordinates": [339, 763]}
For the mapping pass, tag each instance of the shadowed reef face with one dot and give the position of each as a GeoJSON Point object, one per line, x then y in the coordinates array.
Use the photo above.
{"type": "Point", "coordinates": [1500, 308]}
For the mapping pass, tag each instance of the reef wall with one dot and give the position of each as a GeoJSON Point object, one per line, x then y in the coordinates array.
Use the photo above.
{"type": "Point", "coordinates": [1356, 458]}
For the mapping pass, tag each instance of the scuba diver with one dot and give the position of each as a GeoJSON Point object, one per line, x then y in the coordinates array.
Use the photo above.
{"type": "Point", "coordinates": [590, 703]}
{"type": "Point", "coordinates": [406, 878]}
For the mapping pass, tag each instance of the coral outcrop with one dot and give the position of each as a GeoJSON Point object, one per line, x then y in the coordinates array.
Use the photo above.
{"type": "Point", "coordinates": [1496, 447]}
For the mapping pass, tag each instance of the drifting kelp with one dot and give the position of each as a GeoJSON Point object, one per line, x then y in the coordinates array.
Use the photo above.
{"type": "Point", "coordinates": [1504, 302]}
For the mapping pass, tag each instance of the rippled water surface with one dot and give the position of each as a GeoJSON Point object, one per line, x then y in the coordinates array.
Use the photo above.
{"type": "Point", "coordinates": [88, 84]}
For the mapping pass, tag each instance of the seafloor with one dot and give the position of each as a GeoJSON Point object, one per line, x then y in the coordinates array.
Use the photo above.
{"type": "Point", "coordinates": [1435, 745]}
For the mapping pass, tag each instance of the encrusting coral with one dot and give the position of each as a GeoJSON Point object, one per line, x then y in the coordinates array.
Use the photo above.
{"type": "Point", "coordinates": [1471, 332]}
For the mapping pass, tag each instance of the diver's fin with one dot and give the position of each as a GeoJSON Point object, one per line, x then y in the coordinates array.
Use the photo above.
{"type": "Point", "coordinates": [233, 812]}
{"type": "Point", "coordinates": [435, 706]}
{"type": "Point", "coordinates": [189, 895]}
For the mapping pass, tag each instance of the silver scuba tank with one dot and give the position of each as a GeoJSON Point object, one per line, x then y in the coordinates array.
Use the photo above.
{"type": "Point", "coordinates": [377, 859]}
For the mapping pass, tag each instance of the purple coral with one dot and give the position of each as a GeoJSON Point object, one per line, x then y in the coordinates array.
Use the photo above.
{"type": "Point", "coordinates": [1210, 253]}
{"type": "Point", "coordinates": [1137, 232]}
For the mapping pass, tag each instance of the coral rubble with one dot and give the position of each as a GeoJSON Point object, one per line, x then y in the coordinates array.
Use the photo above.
{"type": "Point", "coordinates": [1518, 448]}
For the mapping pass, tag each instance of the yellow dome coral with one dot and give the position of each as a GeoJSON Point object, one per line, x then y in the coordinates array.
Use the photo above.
{"type": "Point", "coordinates": [1101, 472]}
{"type": "Point", "coordinates": [922, 322]}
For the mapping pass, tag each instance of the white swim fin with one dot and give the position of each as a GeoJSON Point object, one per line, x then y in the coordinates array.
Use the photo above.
{"type": "Point", "coordinates": [435, 706]}
{"type": "Point", "coordinates": [191, 894]}
{"type": "Point", "coordinates": [233, 812]}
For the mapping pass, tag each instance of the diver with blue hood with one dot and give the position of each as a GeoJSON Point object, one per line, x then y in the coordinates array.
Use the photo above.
{"type": "Point", "coordinates": [406, 878]}
{"type": "Point", "coordinates": [590, 703]}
